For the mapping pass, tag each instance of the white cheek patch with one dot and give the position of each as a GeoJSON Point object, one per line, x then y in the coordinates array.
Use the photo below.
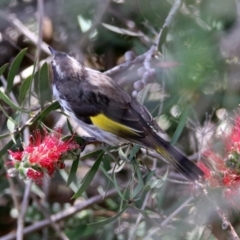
{"type": "Point", "coordinates": [59, 71]}
{"type": "Point", "coordinates": [55, 92]}
{"type": "Point", "coordinates": [75, 64]}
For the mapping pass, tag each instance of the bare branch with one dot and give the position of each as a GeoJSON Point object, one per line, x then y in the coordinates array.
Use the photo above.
{"type": "Point", "coordinates": [62, 215]}
{"type": "Point", "coordinates": [25, 31]}
{"type": "Point", "coordinates": [21, 217]}
{"type": "Point", "coordinates": [167, 24]}
{"type": "Point", "coordinates": [227, 226]}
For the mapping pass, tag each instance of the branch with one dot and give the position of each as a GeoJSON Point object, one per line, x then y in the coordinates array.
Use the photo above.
{"type": "Point", "coordinates": [21, 217]}
{"type": "Point", "coordinates": [102, 6]}
{"type": "Point", "coordinates": [227, 226]}
{"type": "Point", "coordinates": [62, 215]}
{"type": "Point", "coordinates": [158, 43]}
{"type": "Point", "coordinates": [167, 24]}
{"type": "Point", "coordinates": [24, 30]}
{"type": "Point", "coordinates": [126, 65]}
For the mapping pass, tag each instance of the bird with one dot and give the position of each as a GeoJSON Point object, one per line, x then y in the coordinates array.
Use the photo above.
{"type": "Point", "coordinates": [108, 113]}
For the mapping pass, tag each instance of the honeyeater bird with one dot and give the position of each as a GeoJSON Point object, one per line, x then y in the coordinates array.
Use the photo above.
{"type": "Point", "coordinates": [108, 113]}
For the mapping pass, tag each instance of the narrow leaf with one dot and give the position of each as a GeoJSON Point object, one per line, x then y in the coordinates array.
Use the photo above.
{"type": "Point", "coordinates": [122, 155]}
{"type": "Point", "coordinates": [180, 126]}
{"type": "Point", "coordinates": [95, 153]}
{"type": "Point", "coordinates": [14, 69]}
{"type": "Point", "coordinates": [117, 188]}
{"type": "Point", "coordinates": [11, 125]}
{"type": "Point", "coordinates": [3, 68]}
{"type": "Point", "coordinates": [7, 146]}
{"type": "Point", "coordinates": [109, 220]}
{"type": "Point", "coordinates": [54, 106]}
{"type": "Point", "coordinates": [45, 92]}
{"type": "Point", "coordinates": [134, 151]}
{"type": "Point", "coordinates": [140, 185]}
{"type": "Point", "coordinates": [8, 101]}
{"type": "Point", "coordinates": [89, 176]}
{"type": "Point", "coordinates": [24, 89]}
{"type": "Point", "coordinates": [69, 126]}
{"type": "Point", "coordinates": [146, 216]}
{"type": "Point", "coordinates": [148, 177]}
{"type": "Point", "coordinates": [36, 83]}
{"type": "Point", "coordinates": [73, 170]}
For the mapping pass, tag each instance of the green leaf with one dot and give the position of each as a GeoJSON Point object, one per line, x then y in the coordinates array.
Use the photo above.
{"type": "Point", "coordinates": [140, 185]}
{"type": "Point", "coordinates": [8, 101]}
{"type": "Point", "coordinates": [134, 151]}
{"type": "Point", "coordinates": [180, 126]}
{"type": "Point", "coordinates": [117, 188]}
{"type": "Point", "coordinates": [14, 69]}
{"type": "Point", "coordinates": [7, 146]}
{"type": "Point", "coordinates": [25, 88]}
{"type": "Point", "coordinates": [89, 176]}
{"type": "Point", "coordinates": [3, 68]}
{"type": "Point", "coordinates": [106, 173]}
{"type": "Point", "coordinates": [95, 153]}
{"type": "Point", "coordinates": [54, 106]}
{"type": "Point", "coordinates": [11, 125]}
{"type": "Point", "coordinates": [109, 220]}
{"type": "Point", "coordinates": [36, 83]}
{"type": "Point", "coordinates": [45, 92]}
{"type": "Point", "coordinates": [69, 126]}
{"type": "Point", "coordinates": [122, 155]}
{"type": "Point", "coordinates": [148, 177]}
{"type": "Point", "coordinates": [146, 216]}
{"type": "Point", "coordinates": [73, 170]}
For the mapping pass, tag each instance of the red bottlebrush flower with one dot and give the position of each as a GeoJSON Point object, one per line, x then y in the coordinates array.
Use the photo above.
{"type": "Point", "coordinates": [233, 139]}
{"type": "Point", "coordinates": [215, 160]}
{"type": "Point", "coordinates": [16, 155]}
{"type": "Point", "coordinates": [224, 171]}
{"type": "Point", "coordinates": [36, 176]}
{"type": "Point", "coordinates": [43, 153]}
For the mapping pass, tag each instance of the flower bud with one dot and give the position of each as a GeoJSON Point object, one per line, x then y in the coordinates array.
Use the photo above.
{"type": "Point", "coordinates": [139, 85]}
{"type": "Point", "coordinates": [147, 77]}
{"type": "Point", "coordinates": [12, 172]}
{"type": "Point", "coordinates": [141, 71]}
{"type": "Point", "coordinates": [129, 55]}
{"type": "Point", "coordinates": [134, 93]}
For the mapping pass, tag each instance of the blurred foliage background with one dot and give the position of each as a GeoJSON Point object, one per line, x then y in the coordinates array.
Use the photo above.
{"type": "Point", "coordinates": [194, 88]}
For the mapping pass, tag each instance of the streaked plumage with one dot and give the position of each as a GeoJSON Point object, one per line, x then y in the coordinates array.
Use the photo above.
{"type": "Point", "coordinates": [108, 113]}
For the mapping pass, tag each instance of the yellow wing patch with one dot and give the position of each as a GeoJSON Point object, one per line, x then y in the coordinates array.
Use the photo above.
{"type": "Point", "coordinates": [109, 125]}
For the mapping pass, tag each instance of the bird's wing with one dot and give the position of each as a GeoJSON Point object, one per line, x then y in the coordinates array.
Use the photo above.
{"type": "Point", "coordinates": [124, 117]}
{"type": "Point", "coordinates": [109, 108]}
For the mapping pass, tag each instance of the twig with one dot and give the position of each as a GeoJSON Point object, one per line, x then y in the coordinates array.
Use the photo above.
{"type": "Point", "coordinates": [158, 43]}
{"type": "Point", "coordinates": [167, 24]}
{"type": "Point", "coordinates": [21, 217]}
{"type": "Point", "coordinates": [169, 218]}
{"type": "Point", "coordinates": [12, 189]}
{"type": "Point", "coordinates": [40, 29]}
{"type": "Point", "coordinates": [25, 31]}
{"type": "Point", "coordinates": [227, 226]}
{"type": "Point", "coordinates": [102, 6]}
{"type": "Point", "coordinates": [54, 225]}
{"type": "Point", "coordinates": [140, 216]}
{"type": "Point", "coordinates": [127, 64]}
{"type": "Point", "coordinates": [62, 215]}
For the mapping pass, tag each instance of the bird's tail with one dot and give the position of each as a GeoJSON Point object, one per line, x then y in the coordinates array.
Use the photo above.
{"type": "Point", "coordinates": [182, 164]}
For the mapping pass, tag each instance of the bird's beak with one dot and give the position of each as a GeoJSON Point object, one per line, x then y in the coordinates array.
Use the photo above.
{"type": "Point", "coordinates": [53, 52]}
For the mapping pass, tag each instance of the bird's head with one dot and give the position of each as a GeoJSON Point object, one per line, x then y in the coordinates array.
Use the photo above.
{"type": "Point", "coordinates": [63, 65]}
